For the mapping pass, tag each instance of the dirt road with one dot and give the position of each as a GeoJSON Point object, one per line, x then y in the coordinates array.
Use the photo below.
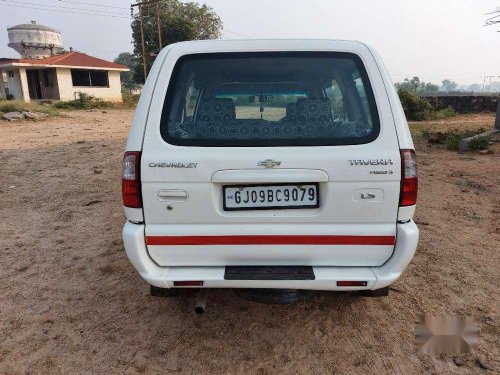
{"type": "Point", "coordinates": [70, 301]}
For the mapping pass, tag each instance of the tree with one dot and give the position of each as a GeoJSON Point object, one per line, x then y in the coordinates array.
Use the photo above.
{"type": "Point", "coordinates": [449, 85]}
{"type": "Point", "coordinates": [414, 82]}
{"type": "Point", "coordinates": [429, 88]}
{"type": "Point", "coordinates": [179, 22]}
{"type": "Point", "coordinates": [409, 84]}
{"type": "Point", "coordinates": [417, 86]}
{"type": "Point", "coordinates": [475, 87]}
{"type": "Point", "coordinates": [130, 61]}
{"type": "Point", "coordinates": [495, 86]}
{"type": "Point", "coordinates": [415, 107]}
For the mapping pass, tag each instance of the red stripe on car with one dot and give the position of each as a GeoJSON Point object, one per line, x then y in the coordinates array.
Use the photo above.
{"type": "Point", "coordinates": [271, 240]}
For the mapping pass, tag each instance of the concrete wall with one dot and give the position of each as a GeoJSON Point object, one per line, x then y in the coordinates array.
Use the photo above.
{"type": "Point", "coordinates": [465, 104]}
{"type": "Point", "coordinates": [14, 84]}
{"type": "Point", "coordinates": [69, 92]}
{"type": "Point", "coordinates": [3, 85]}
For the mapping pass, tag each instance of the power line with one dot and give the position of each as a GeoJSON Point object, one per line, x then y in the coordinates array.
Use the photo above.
{"type": "Point", "coordinates": [491, 20]}
{"type": "Point", "coordinates": [99, 50]}
{"type": "Point", "coordinates": [495, 11]}
{"type": "Point", "coordinates": [498, 15]}
{"type": "Point", "coordinates": [91, 4]}
{"type": "Point", "coordinates": [62, 11]}
{"type": "Point", "coordinates": [239, 34]}
{"type": "Point", "coordinates": [64, 7]}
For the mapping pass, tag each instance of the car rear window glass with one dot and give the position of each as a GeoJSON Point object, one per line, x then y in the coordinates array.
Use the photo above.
{"type": "Point", "coordinates": [269, 99]}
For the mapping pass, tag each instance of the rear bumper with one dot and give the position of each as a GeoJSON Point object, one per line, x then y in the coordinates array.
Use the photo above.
{"type": "Point", "coordinates": [326, 277]}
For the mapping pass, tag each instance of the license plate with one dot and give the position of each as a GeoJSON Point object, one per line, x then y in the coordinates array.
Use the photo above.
{"type": "Point", "coordinates": [266, 197]}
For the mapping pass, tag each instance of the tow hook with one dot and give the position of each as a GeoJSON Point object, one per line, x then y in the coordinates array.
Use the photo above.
{"type": "Point", "coordinates": [201, 301]}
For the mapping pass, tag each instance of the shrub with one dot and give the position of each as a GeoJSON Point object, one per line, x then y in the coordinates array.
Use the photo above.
{"type": "Point", "coordinates": [84, 101]}
{"type": "Point", "coordinates": [452, 141]}
{"type": "Point", "coordinates": [10, 97]}
{"type": "Point", "coordinates": [415, 107]}
{"type": "Point", "coordinates": [444, 113]}
{"type": "Point", "coordinates": [130, 99]}
{"type": "Point", "coordinates": [480, 143]}
{"type": "Point", "coordinates": [426, 133]}
{"type": "Point", "coordinates": [454, 137]}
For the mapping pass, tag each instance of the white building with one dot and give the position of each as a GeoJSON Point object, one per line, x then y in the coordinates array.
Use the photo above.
{"type": "Point", "coordinates": [42, 73]}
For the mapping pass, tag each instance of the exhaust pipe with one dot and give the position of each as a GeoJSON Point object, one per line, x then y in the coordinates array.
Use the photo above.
{"type": "Point", "coordinates": [201, 302]}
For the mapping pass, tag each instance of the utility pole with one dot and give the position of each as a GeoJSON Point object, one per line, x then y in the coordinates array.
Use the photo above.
{"type": "Point", "coordinates": [144, 48]}
{"type": "Point", "coordinates": [497, 118]}
{"type": "Point", "coordinates": [489, 78]}
{"type": "Point", "coordinates": [141, 22]}
{"type": "Point", "coordinates": [158, 24]}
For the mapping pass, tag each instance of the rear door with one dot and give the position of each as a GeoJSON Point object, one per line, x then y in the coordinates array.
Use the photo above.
{"type": "Point", "coordinates": [240, 130]}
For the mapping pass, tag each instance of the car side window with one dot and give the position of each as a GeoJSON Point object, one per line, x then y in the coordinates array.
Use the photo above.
{"type": "Point", "coordinates": [190, 101]}
{"type": "Point", "coordinates": [360, 88]}
{"type": "Point", "coordinates": [334, 94]}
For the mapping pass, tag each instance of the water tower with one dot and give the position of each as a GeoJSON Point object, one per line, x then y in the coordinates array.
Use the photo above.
{"type": "Point", "coordinates": [34, 41]}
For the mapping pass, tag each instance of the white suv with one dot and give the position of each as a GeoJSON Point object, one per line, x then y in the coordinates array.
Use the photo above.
{"type": "Point", "coordinates": [281, 164]}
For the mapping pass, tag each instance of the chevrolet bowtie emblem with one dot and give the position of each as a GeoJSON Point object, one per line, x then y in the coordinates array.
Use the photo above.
{"type": "Point", "coordinates": [268, 163]}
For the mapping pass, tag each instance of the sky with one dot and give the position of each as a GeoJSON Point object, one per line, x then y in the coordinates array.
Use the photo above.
{"type": "Point", "coordinates": [431, 39]}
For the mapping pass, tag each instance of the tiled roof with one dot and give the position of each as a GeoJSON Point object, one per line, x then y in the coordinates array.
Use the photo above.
{"type": "Point", "coordinates": [68, 59]}
{"type": "Point", "coordinates": [4, 60]}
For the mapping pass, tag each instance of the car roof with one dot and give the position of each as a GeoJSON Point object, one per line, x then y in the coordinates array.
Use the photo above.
{"type": "Point", "coordinates": [251, 45]}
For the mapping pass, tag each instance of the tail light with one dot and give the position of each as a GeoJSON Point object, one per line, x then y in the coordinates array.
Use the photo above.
{"type": "Point", "coordinates": [352, 283]}
{"type": "Point", "coordinates": [409, 178]}
{"type": "Point", "coordinates": [188, 283]}
{"type": "Point", "coordinates": [131, 180]}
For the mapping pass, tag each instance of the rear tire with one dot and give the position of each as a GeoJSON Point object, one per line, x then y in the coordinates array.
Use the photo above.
{"type": "Point", "coordinates": [163, 292]}
{"type": "Point", "coordinates": [275, 296]}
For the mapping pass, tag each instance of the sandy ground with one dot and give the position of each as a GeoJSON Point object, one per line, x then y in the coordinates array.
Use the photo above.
{"type": "Point", "coordinates": [70, 301]}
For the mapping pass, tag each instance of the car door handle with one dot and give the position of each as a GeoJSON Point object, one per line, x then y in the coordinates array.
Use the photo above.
{"type": "Point", "coordinates": [173, 195]}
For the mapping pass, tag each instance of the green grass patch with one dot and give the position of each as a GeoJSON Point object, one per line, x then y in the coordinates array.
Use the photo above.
{"type": "Point", "coordinates": [21, 106]}
{"type": "Point", "coordinates": [451, 138]}
{"type": "Point", "coordinates": [444, 113]}
{"type": "Point", "coordinates": [16, 106]}
{"type": "Point", "coordinates": [480, 143]}
{"type": "Point", "coordinates": [49, 110]}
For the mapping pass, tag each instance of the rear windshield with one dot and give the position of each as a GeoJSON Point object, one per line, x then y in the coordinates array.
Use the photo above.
{"type": "Point", "coordinates": [269, 99]}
